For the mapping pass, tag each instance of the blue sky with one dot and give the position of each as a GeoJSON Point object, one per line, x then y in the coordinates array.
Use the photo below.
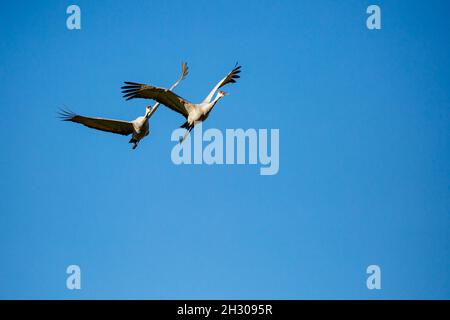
{"type": "Point", "coordinates": [364, 119]}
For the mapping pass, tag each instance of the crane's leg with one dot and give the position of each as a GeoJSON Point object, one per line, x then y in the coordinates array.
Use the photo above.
{"type": "Point", "coordinates": [186, 134]}
{"type": "Point", "coordinates": [134, 141]}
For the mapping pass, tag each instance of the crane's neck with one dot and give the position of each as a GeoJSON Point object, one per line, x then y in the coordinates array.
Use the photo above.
{"type": "Point", "coordinates": [152, 110]}
{"type": "Point", "coordinates": [213, 103]}
{"type": "Point", "coordinates": [148, 113]}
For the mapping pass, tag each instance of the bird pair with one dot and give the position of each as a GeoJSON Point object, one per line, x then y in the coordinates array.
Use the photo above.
{"type": "Point", "coordinates": [139, 128]}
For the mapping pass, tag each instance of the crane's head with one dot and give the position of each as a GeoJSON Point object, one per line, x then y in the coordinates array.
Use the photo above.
{"type": "Point", "coordinates": [148, 111]}
{"type": "Point", "coordinates": [222, 94]}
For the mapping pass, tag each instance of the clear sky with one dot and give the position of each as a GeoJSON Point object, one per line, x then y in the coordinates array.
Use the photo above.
{"type": "Point", "coordinates": [364, 119]}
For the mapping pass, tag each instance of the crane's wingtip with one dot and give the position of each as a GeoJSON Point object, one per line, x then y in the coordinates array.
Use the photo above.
{"type": "Point", "coordinates": [65, 114]}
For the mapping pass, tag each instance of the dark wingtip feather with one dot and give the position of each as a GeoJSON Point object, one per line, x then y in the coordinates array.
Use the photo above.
{"type": "Point", "coordinates": [66, 114]}
{"type": "Point", "coordinates": [184, 69]}
{"type": "Point", "coordinates": [130, 90]}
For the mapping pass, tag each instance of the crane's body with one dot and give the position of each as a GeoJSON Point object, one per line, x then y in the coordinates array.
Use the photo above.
{"type": "Point", "coordinates": [141, 128]}
{"type": "Point", "coordinates": [201, 111]}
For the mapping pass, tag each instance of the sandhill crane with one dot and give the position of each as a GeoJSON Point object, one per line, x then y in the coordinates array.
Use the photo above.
{"type": "Point", "coordinates": [139, 127]}
{"type": "Point", "coordinates": [192, 112]}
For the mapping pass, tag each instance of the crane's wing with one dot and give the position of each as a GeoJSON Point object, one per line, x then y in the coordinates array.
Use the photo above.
{"type": "Point", "coordinates": [230, 78]}
{"type": "Point", "coordinates": [115, 126]}
{"type": "Point", "coordinates": [164, 96]}
{"type": "Point", "coordinates": [184, 73]}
